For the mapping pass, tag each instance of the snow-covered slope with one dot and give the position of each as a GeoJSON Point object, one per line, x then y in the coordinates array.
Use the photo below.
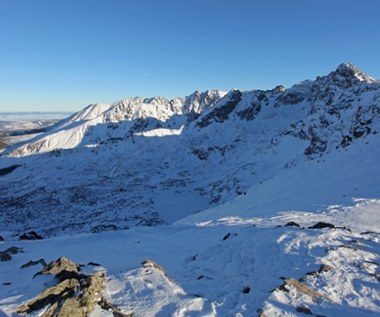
{"type": "Point", "coordinates": [233, 266]}
{"type": "Point", "coordinates": [272, 199]}
{"type": "Point", "coordinates": [152, 161]}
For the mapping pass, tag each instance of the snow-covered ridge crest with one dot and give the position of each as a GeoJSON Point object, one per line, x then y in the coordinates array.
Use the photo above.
{"type": "Point", "coordinates": [70, 133]}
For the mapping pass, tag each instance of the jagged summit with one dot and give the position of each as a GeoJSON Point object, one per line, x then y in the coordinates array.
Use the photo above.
{"type": "Point", "coordinates": [347, 74]}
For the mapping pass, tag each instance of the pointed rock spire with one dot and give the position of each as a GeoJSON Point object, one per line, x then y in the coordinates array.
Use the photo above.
{"type": "Point", "coordinates": [348, 74]}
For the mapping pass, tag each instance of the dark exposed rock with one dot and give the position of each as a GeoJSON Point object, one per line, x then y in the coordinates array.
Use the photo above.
{"type": "Point", "coordinates": [226, 236]}
{"type": "Point", "coordinates": [321, 225]}
{"type": "Point", "coordinates": [292, 98]}
{"type": "Point", "coordinates": [292, 224]}
{"type": "Point", "coordinates": [317, 146]}
{"type": "Point", "coordinates": [112, 308]}
{"type": "Point", "coordinates": [31, 235]}
{"type": "Point", "coordinates": [358, 132]}
{"type": "Point", "coordinates": [346, 141]}
{"type": "Point", "coordinates": [4, 256]}
{"type": "Point", "coordinates": [31, 263]}
{"type": "Point", "coordinates": [369, 233]}
{"type": "Point", "coordinates": [260, 313]}
{"type": "Point", "coordinates": [221, 113]}
{"type": "Point", "coordinates": [325, 268]}
{"type": "Point", "coordinates": [201, 154]}
{"type": "Point", "coordinates": [1, 239]}
{"type": "Point", "coordinates": [322, 268]}
{"type": "Point", "coordinates": [304, 310]}
{"type": "Point", "coordinates": [194, 257]}
{"type": "Point", "coordinates": [347, 75]}
{"type": "Point", "coordinates": [67, 275]}
{"type": "Point", "coordinates": [8, 170]}
{"type": "Point", "coordinates": [93, 264]}
{"type": "Point", "coordinates": [246, 290]}
{"type": "Point", "coordinates": [191, 116]}
{"type": "Point", "coordinates": [251, 112]}
{"type": "Point", "coordinates": [323, 122]}
{"type": "Point", "coordinates": [352, 247]}
{"type": "Point", "coordinates": [14, 250]}
{"type": "Point", "coordinates": [102, 228]}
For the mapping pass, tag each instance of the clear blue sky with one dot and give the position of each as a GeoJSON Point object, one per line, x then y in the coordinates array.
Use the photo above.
{"type": "Point", "coordinates": [65, 54]}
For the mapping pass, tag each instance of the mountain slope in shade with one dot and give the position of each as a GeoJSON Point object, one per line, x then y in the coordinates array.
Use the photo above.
{"type": "Point", "coordinates": [152, 161]}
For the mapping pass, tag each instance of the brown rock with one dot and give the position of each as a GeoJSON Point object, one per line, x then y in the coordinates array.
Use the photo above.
{"type": "Point", "coordinates": [302, 288]}
{"type": "Point", "coordinates": [56, 267]}
{"type": "Point", "coordinates": [51, 295]}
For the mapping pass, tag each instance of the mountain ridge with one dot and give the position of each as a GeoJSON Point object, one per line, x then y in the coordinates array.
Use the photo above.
{"type": "Point", "coordinates": [141, 160]}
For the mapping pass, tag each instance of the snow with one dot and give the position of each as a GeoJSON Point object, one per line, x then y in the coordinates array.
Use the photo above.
{"type": "Point", "coordinates": [160, 132]}
{"type": "Point", "coordinates": [206, 270]}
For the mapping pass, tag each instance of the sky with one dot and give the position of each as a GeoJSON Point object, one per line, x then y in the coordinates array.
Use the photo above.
{"type": "Point", "coordinates": [61, 55]}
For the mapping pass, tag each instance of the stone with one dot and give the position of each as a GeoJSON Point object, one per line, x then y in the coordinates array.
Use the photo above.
{"type": "Point", "coordinates": [31, 263]}
{"type": "Point", "coordinates": [76, 295]}
{"type": "Point", "coordinates": [292, 224]}
{"type": "Point", "coordinates": [304, 310]}
{"type": "Point", "coordinates": [61, 264]}
{"type": "Point", "coordinates": [302, 288]}
{"type": "Point", "coordinates": [321, 225]}
{"type": "Point", "coordinates": [14, 250]}
{"type": "Point", "coordinates": [31, 235]}
{"type": "Point", "coordinates": [4, 256]}
{"type": "Point", "coordinates": [50, 296]}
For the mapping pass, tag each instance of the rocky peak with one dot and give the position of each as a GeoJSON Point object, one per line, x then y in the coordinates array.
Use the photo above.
{"type": "Point", "coordinates": [198, 101]}
{"type": "Point", "coordinates": [347, 75]}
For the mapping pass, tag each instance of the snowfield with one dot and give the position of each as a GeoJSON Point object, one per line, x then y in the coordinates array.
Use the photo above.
{"type": "Point", "coordinates": [255, 203]}
{"type": "Point", "coordinates": [227, 267]}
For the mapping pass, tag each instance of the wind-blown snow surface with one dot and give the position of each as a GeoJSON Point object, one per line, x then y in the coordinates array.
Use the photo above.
{"type": "Point", "coordinates": [230, 266]}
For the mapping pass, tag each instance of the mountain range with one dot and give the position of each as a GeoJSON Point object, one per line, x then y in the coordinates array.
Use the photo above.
{"type": "Point", "coordinates": [150, 161]}
{"type": "Point", "coordinates": [241, 203]}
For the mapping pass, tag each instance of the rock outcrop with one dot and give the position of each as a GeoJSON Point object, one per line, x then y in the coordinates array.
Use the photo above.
{"type": "Point", "coordinates": [75, 294]}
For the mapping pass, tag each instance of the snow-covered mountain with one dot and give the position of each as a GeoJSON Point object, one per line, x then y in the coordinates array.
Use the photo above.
{"type": "Point", "coordinates": [151, 161]}
{"type": "Point", "coordinates": [272, 200]}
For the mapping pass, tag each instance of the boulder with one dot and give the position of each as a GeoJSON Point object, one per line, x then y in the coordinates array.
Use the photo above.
{"type": "Point", "coordinates": [75, 295]}
{"type": "Point", "coordinates": [31, 235]}
{"type": "Point", "coordinates": [302, 288]}
{"type": "Point", "coordinates": [50, 296]}
{"type": "Point", "coordinates": [58, 266]}
{"type": "Point", "coordinates": [321, 225]}
{"type": "Point", "coordinates": [4, 256]}
{"type": "Point", "coordinates": [292, 224]}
